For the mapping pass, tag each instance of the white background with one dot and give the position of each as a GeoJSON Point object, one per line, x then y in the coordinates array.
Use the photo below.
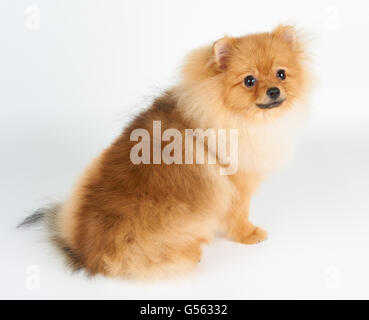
{"type": "Point", "coordinates": [72, 77]}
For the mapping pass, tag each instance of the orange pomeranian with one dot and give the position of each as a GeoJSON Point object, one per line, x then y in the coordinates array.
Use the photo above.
{"type": "Point", "coordinates": [144, 208]}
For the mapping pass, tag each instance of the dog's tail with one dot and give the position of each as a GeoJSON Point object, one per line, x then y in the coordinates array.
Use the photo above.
{"type": "Point", "coordinates": [48, 216]}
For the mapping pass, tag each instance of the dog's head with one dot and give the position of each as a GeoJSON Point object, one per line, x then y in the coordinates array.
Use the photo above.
{"type": "Point", "coordinates": [262, 74]}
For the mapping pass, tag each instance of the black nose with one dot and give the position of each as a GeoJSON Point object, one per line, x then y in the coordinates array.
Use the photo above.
{"type": "Point", "coordinates": [273, 93]}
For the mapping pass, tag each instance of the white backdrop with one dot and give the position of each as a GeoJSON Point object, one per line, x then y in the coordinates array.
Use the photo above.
{"type": "Point", "coordinates": [72, 73]}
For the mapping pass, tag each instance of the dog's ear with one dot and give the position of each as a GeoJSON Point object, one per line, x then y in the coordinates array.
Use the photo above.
{"type": "Point", "coordinates": [222, 49]}
{"type": "Point", "coordinates": [286, 33]}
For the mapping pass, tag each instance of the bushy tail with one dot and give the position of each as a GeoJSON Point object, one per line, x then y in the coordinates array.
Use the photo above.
{"type": "Point", "coordinates": [45, 214]}
{"type": "Point", "coordinates": [48, 216]}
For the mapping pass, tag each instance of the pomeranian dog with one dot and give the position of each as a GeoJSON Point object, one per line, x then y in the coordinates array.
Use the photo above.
{"type": "Point", "coordinates": [149, 218]}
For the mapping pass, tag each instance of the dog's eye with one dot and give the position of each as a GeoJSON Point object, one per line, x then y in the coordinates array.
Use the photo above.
{"type": "Point", "coordinates": [249, 81]}
{"type": "Point", "coordinates": [281, 74]}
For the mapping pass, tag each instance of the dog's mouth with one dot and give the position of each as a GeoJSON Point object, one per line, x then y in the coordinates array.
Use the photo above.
{"type": "Point", "coordinates": [271, 105]}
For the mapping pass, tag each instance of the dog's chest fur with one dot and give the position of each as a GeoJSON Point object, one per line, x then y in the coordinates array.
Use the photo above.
{"type": "Point", "coordinates": [265, 147]}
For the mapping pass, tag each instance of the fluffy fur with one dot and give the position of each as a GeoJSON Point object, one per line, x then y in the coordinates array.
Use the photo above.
{"type": "Point", "coordinates": [147, 221]}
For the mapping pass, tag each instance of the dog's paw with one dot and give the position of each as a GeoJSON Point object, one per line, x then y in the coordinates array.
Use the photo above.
{"type": "Point", "coordinates": [257, 235]}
